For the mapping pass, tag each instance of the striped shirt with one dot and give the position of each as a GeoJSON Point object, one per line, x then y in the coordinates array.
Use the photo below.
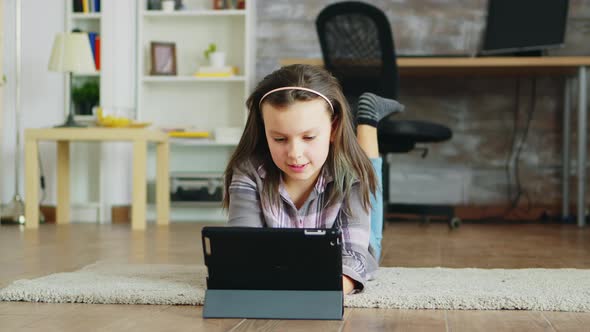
{"type": "Point", "coordinates": [247, 210]}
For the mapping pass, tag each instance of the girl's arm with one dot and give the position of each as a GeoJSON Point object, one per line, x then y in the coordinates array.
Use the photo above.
{"type": "Point", "coordinates": [244, 201]}
{"type": "Point", "coordinates": [347, 285]}
{"type": "Point", "coordinates": [356, 259]}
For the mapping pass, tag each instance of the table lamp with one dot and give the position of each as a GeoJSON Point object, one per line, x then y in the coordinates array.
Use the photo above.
{"type": "Point", "coordinates": [71, 54]}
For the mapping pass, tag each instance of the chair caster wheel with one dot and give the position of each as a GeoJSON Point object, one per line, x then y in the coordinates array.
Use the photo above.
{"type": "Point", "coordinates": [454, 223]}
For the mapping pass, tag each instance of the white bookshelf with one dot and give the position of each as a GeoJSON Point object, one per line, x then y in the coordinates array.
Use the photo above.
{"type": "Point", "coordinates": [194, 13]}
{"type": "Point", "coordinates": [84, 16]}
{"type": "Point", "coordinates": [184, 100]}
{"type": "Point", "coordinates": [192, 79]}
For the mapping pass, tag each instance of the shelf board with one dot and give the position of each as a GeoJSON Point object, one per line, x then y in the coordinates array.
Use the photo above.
{"type": "Point", "coordinates": [95, 74]}
{"type": "Point", "coordinates": [189, 79]}
{"type": "Point", "coordinates": [194, 204]}
{"type": "Point", "coordinates": [199, 142]}
{"type": "Point", "coordinates": [85, 16]}
{"type": "Point", "coordinates": [193, 13]}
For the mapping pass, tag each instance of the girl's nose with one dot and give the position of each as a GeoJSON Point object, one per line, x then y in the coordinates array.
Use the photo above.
{"type": "Point", "coordinates": [295, 150]}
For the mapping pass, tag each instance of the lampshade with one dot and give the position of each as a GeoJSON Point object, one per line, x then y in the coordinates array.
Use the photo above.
{"type": "Point", "coordinates": [71, 53]}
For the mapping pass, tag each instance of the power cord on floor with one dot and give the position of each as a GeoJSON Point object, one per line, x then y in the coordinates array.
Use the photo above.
{"type": "Point", "coordinates": [516, 148]}
{"type": "Point", "coordinates": [43, 191]}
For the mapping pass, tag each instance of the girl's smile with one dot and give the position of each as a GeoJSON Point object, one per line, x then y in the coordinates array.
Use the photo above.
{"type": "Point", "coordinates": [298, 168]}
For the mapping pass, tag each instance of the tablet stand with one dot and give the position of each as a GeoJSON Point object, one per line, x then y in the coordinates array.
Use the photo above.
{"type": "Point", "coordinates": [273, 304]}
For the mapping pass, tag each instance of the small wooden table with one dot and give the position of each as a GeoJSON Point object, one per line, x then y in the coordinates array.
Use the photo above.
{"type": "Point", "coordinates": [63, 136]}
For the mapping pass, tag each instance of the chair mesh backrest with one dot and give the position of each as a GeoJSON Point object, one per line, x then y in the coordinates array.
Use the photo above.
{"type": "Point", "coordinates": [357, 47]}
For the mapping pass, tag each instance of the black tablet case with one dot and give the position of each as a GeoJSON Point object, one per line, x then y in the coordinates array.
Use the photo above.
{"type": "Point", "coordinates": [274, 273]}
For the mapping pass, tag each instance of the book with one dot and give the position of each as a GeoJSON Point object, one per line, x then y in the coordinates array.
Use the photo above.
{"type": "Point", "coordinates": [97, 52]}
{"type": "Point", "coordinates": [77, 6]}
{"type": "Point", "coordinates": [209, 71]}
{"type": "Point", "coordinates": [92, 40]}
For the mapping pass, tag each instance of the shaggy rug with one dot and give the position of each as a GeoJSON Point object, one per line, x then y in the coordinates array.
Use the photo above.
{"type": "Point", "coordinates": [407, 288]}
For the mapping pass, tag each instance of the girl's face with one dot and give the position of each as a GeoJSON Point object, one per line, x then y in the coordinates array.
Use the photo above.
{"type": "Point", "coordinates": [298, 137]}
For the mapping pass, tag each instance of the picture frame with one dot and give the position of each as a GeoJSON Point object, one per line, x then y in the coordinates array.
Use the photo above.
{"type": "Point", "coordinates": [163, 58]}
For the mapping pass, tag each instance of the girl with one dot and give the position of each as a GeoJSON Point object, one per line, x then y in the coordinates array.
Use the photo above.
{"type": "Point", "coordinates": [298, 163]}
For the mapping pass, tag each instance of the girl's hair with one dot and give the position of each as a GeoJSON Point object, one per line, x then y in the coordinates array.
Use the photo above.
{"type": "Point", "coordinates": [346, 162]}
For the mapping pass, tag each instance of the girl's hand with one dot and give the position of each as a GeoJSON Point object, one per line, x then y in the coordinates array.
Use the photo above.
{"type": "Point", "coordinates": [347, 285]}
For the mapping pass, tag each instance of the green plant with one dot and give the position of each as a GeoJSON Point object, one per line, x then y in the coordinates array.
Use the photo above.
{"type": "Point", "coordinates": [211, 49]}
{"type": "Point", "coordinates": [86, 93]}
{"type": "Point", "coordinates": [86, 96]}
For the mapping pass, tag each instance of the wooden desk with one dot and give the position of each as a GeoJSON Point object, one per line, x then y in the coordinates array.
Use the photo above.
{"type": "Point", "coordinates": [63, 136]}
{"type": "Point", "coordinates": [575, 66]}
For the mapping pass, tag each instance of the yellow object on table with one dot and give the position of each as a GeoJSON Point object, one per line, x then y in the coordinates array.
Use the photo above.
{"type": "Point", "coordinates": [112, 121]}
{"type": "Point", "coordinates": [189, 134]}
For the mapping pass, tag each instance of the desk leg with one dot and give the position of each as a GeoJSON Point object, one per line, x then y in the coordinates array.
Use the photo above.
{"type": "Point", "coordinates": [63, 182]}
{"type": "Point", "coordinates": [566, 136]}
{"type": "Point", "coordinates": [582, 104]}
{"type": "Point", "coordinates": [138, 205]}
{"type": "Point", "coordinates": [162, 183]}
{"type": "Point", "coordinates": [31, 184]}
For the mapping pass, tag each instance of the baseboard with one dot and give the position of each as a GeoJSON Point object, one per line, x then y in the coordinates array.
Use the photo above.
{"type": "Point", "coordinates": [519, 213]}
{"type": "Point", "coordinates": [121, 214]}
{"type": "Point", "coordinates": [48, 212]}
{"type": "Point", "coordinates": [499, 212]}
{"type": "Point", "coordinates": [80, 213]}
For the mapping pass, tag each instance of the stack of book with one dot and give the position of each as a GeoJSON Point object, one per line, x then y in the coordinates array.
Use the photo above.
{"type": "Point", "coordinates": [86, 6]}
{"type": "Point", "coordinates": [209, 71]}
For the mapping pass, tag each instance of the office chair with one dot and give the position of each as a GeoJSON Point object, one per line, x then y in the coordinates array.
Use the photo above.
{"type": "Point", "coordinates": [358, 49]}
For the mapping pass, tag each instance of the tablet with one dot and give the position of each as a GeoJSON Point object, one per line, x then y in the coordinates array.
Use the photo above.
{"type": "Point", "coordinates": [273, 273]}
{"type": "Point", "coordinates": [273, 258]}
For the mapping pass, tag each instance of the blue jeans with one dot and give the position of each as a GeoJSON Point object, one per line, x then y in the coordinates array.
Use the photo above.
{"type": "Point", "coordinates": [377, 210]}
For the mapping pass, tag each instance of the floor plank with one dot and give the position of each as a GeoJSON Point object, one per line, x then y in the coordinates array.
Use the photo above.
{"type": "Point", "coordinates": [494, 320]}
{"type": "Point", "coordinates": [362, 319]}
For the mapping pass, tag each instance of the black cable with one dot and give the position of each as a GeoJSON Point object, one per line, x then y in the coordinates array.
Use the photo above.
{"type": "Point", "coordinates": [42, 178]}
{"type": "Point", "coordinates": [519, 190]}
{"type": "Point", "coordinates": [513, 202]}
{"type": "Point", "coordinates": [512, 142]}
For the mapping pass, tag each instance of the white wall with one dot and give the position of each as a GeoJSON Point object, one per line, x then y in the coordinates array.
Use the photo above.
{"type": "Point", "coordinates": [42, 92]}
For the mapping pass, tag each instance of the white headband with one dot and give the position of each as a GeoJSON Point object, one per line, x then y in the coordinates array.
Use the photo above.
{"type": "Point", "coordinates": [296, 88]}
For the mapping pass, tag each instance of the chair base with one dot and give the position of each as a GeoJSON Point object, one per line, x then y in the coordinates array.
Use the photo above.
{"type": "Point", "coordinates": [425, 211]}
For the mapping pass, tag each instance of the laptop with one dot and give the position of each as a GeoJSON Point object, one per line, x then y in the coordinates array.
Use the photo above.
{"type": "Point", "coordinates": [273, 273]}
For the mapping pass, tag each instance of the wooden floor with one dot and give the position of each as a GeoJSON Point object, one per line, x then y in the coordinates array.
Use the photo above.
{"type": "Point", "coordinates": [28, 254]}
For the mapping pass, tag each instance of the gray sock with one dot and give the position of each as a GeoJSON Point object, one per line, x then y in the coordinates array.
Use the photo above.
{"type": "Point", "coordinates": [372, 108]}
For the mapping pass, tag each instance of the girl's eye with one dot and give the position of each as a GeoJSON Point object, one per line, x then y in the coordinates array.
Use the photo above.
{"type": "Point", "coordinates": [279, 139]}
{"type": "Point", "coordinates": [308, 138]}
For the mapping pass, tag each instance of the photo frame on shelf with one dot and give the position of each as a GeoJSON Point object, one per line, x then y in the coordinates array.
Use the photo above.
{"type": "Point", "coordinates": [163, 58]}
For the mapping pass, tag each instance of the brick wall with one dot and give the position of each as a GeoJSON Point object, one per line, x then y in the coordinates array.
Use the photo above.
{"type": "Point", "coordinates": [481, 111]}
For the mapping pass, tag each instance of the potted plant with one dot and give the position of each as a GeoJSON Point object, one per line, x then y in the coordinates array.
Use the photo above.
{"type": "Point", "coordinates": [215, 57]}
{"type": "Point", "coordinates": [85, 97]}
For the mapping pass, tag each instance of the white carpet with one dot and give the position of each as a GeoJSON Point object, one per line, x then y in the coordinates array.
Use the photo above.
{"type": "Point", "coordinates": [410, 288]}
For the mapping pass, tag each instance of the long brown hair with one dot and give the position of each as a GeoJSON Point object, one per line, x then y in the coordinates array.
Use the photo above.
{"type": "Point", "coordinates": [346, 162]}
